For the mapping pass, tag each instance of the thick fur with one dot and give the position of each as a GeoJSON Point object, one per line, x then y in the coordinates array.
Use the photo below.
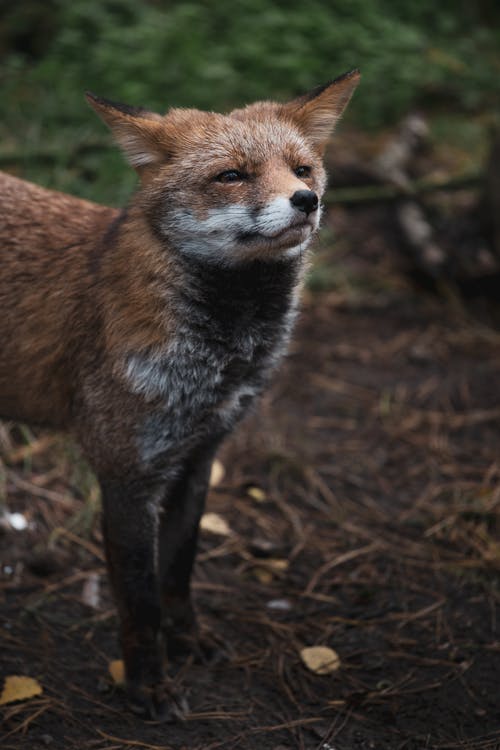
{"type": "Point", "coordinates": [147, 333]}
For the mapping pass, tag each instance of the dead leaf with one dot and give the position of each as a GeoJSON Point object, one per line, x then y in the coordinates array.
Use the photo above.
{"type": "Point", "coordinates": [320, 659]}
{"type": "Point", "coordinates": [262, 575]}
{"type": "Point", "coordinates": [214, 524]}
{"type": "Point", "coordinates": [272, 566]}
{"type": "Point", "coordinates": [257, 494]}
{"type": "Point", "coordinates": [217, 473]}
{"type": "Point", "coordinates": [277, 563]}
{"type": "Point", "coordinates": [116, 669]}
{"type": "Point", "coordinates": [19, 688]}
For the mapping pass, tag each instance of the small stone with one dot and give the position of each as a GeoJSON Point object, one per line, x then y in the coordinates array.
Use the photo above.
{"type": "Point", "coordinates": [282, 605]}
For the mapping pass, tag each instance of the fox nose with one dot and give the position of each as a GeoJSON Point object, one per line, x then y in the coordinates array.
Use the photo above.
{"type": "Point", "coordinates": [305, 200]}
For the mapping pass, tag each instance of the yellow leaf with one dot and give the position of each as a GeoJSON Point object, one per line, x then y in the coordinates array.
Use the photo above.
{"type": "Point", "coordinates": [215, 524]}
{"type": "Point", "coordinates": [19, 688]}
{"type": "Point", "coordinates": [217, 473]}
{"type": "Point", "coordinates": [272, 566]}
{"type": "Point", "coordinates": [257, 494]}
{"type": "Point", "coordinates": [277, 563]}
{"type": "Point", "coordinates": [117, 671]}
{"type": "Point", "coordinates": [320, 659]}
{"type": "Point", "coordinates": [263, 575]}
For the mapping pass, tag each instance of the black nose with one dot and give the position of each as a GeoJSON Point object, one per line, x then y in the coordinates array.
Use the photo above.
{"type": "Point", "coordinates": [305, 200]}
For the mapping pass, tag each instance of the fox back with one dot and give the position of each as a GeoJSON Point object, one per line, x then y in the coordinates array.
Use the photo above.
{"type": "Point", "coordinates": [148, 332]}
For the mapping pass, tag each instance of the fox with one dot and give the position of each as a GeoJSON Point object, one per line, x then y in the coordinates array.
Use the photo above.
{"type": "Point", "coordinates": [147, 333]}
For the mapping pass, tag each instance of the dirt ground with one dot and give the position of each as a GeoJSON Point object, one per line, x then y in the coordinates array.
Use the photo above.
{"type": "Point", "coordinates": [363, 509]}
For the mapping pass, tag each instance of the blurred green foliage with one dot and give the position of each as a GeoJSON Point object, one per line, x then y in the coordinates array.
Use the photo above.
{"type": "Point", "coordinates": [217, 55]}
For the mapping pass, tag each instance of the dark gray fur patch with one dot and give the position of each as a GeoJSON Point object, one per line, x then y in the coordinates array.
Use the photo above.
{"type": "Point", "coordinates": [235, 327]}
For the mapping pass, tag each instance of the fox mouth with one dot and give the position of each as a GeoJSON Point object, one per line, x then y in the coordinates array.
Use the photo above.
{"type": "Point", "coordinates": [292, 231]}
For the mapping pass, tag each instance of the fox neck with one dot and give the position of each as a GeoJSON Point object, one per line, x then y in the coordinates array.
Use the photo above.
{"type": "Point", "coordinates": [159, 290]}
{"type": "Point", "coordinates": [235, 298]}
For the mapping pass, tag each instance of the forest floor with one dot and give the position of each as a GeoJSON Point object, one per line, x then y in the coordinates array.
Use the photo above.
{"type": "Point", "coordinates": [362, 503]}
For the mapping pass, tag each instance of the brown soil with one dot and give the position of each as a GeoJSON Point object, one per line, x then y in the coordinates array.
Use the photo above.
{"type": "Point", "coordinates": [375, 533]}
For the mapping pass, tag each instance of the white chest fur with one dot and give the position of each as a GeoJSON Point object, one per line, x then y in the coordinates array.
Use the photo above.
{"type": "Point", "coordinates": [197, 388]}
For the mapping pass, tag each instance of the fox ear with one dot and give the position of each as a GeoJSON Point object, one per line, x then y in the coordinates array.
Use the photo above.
{"type": "Point", "coordinates": [136, 130]}
{"type": "Point", "coordinates": [317, 112]}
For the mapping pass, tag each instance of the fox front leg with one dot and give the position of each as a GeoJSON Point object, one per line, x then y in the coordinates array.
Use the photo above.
{"type": "Point", "coordinates": [130, 528]}
{"type": "Point", "coordinates": [178, 536]}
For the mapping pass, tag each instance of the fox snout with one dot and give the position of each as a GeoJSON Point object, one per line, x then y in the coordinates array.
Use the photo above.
{"type": "Point", "coordinates": [305, 200]}
{"type": "Point", "coordinates": [239, 231]}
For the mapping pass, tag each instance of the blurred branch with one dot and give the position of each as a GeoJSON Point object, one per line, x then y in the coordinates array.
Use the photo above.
{"type": "Point", "coordinates": [374, 193]}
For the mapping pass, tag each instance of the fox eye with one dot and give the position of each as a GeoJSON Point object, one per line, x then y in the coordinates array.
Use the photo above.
{"type": "Point", "coordinates": [303, 171]}
{"type": "Point", "coordinates": [230, 175]}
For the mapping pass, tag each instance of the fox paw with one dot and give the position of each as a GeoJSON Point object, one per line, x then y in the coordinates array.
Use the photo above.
{"type": "Point", "coordinates": [160, 704]}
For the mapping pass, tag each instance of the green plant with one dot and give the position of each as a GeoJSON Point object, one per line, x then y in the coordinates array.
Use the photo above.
{"type": "Point", "coordinates": [218, 55]}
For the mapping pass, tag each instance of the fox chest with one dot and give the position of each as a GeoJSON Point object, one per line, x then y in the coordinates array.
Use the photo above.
{"type": "Point", "coordinates": [197, 389]}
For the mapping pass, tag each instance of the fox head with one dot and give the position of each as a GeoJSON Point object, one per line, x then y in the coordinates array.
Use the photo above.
{"type": "Point", "coordinates": [236, 187]}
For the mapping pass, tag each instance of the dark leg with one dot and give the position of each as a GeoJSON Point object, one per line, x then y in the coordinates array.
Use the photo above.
{"type": "Point", "coordinates": [177, 546]}
{"type": "Point", "coordinates": [130, 526]}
